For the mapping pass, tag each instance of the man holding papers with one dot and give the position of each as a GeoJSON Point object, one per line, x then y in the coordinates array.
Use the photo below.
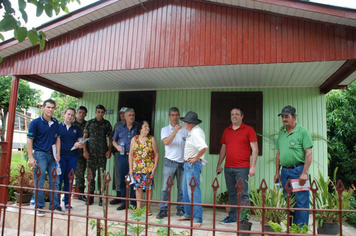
{"type": "Point", "coordinates": [294, 154]}
{"type": "Point", "coordinates": [42, 134]}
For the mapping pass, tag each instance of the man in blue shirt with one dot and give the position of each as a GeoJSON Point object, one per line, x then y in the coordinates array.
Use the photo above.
{"type": "Point", "coordinates": [121, 141]}
{"type": "Point", "coordinates": [42, 134]}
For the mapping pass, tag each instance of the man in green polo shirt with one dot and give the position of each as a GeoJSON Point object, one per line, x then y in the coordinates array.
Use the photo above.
{"type": "Point", "coordinates": [294, 154]}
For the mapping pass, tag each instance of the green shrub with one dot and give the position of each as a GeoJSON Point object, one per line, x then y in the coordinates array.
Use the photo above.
{"type": "Point", "coordinates": [351, 218]}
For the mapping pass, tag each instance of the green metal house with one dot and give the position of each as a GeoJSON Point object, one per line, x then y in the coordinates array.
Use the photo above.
{"type": "Point", "coordinates": [198, 55]}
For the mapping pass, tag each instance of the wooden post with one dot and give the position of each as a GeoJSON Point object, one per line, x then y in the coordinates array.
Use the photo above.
{"type": "Point", "coordinates": [6, 159]}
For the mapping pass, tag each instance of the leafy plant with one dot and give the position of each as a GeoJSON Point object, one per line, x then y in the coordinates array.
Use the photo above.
{"type": "Point", "coordinates": [222, 198]}
{"type": "Point", "coordinates": [329, 199]}
{"type": "Point", "coordinates": [11, 19]}
{"type": "Point", "coordinates": [138, 216]}
{"type": "Point", "coordinates": [351, 218]}
{"type": "Point", "coordinates": [294, 228]}
{"type": "Point", "coordinates": [28, 179]}
{"type": "Point", "coordinates": [341, 123]}
{"type": "Point", "coordinates": [274, 198]}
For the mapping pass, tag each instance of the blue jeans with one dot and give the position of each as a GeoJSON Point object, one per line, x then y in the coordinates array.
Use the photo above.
{"type": "Point", "coordinates": [191, 170]}
{"type": "Point", "coordinates": [174, 169]}
{"type": "Point", "coordinates": [45, 161]}
{"type": "Point", "coordinates": [124, 170]}
{"type": "Point", "coordinates": [301, 198]}
{"type": "Point", "coordinates": [232, 175]}
{"type": "Point", "coordinates": [67, 164]}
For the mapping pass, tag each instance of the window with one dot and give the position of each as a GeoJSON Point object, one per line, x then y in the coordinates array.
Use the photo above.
{"type": "Point", "coordinates": [221, 105]}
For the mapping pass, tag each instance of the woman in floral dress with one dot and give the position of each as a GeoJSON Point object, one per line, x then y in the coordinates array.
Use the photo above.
{"type": "Point", "coordinates": [143, 160]}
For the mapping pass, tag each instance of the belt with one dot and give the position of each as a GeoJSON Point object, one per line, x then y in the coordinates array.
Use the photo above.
{"type": "Point", "coordinates": [50, 152]}
{"type": "Point", "coordinates": [126, 153]}
{"type": "Point", "coordinates": [293, 166]}
{"type": "Point", "coordinates": [188, 161]}
{"type": "Point", "coordinates": [174, 161]}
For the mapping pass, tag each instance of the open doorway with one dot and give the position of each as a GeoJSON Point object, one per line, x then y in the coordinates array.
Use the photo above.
{"type": "Point", "coordinates": [144, 104]}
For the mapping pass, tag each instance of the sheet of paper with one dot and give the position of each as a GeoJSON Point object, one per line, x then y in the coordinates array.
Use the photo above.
{"type": "Point", "coordinates": [54, 151]}
{"type": "Point", "coordinates": [296, 187]}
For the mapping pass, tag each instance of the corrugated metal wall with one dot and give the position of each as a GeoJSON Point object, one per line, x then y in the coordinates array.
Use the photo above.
{"type": "Point", "coordinates": [310, 107]}
{"type": "Point", "coordinates": [186, 33]}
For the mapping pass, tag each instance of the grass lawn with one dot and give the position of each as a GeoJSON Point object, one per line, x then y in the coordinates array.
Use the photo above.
{"type": "Point", "coordinates": [17, 161]}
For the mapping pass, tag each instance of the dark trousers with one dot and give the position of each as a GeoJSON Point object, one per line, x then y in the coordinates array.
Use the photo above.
{"type": "Point", "coordinates": [68, 163]}
{"type": "Point", "coordinates": [123, 161]}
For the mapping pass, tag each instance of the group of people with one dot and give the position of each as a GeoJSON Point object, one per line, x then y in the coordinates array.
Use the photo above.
{"type": "Point", "coordinates": [80, 144]}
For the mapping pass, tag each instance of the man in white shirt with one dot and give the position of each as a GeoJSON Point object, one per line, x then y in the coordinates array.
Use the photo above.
{"type": "Point", "coordinates": [173, 137]}
{"type": "Point", "coordinates": [194, 150]}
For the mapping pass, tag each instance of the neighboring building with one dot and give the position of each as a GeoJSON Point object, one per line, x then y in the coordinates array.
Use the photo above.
{"type": "Point", "coordinates": [22, 120]}
{"type": "Point", "coordinates": [203, 56]}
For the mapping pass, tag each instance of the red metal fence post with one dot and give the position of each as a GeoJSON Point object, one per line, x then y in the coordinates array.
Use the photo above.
{"type": "Point", "coordinates": [215, 185]}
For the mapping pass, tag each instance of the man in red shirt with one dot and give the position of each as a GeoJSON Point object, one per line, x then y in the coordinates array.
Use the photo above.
{"type": "Point", "coordinates": [236, 144]}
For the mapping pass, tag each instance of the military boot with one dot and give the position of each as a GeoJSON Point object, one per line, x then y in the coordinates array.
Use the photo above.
{"type": "Point", "coordinates": [91, 200]}
{"type": "Point", "coordinates": [116, 201]}
{"type": "Point", "coordinates": [81, 197]}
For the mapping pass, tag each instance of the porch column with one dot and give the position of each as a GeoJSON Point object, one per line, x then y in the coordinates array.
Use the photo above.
{"type": "Point", "coordinates": [6, 159]}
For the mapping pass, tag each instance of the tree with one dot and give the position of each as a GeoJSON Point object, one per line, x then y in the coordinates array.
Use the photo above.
{"type": "Point", "coordinates": [11, 21]}
{"type": "Point", "coordinates": [341, 123]}
{"type": "Point", "coordinates": [63, 101]}
{"type": "Point", "coordinates": [27, 97]}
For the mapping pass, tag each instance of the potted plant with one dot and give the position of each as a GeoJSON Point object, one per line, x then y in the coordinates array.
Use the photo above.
{"type": "Point", "coordinates": [245, 225]}
{"type": "Point", "coordinates": [223, 199]}
{"type": "Point", "coordinates": [274, 198]}
{"type": "Point", "coordinates": [327, 198]}
{"type": "Point", "coordinates": [294, 228]}
{"type": "Point", "coordinates": [27, 181]}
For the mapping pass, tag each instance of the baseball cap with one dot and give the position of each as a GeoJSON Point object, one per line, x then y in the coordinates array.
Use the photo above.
{"type": "Point", "coordinates": [123, 109]}
{"type": "Point", "coordinates": [288, 110]}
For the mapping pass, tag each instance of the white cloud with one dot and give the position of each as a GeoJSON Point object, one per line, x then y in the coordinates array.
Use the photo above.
{"type": "Point", "coordinates": [340, 3]}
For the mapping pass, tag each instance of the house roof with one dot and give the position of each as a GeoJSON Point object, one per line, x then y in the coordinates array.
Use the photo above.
{"type": "Point", "coordinates": [161, 77]}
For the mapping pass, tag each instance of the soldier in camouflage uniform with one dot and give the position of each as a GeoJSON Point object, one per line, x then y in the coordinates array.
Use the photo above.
{"type": "Point", "coordinates": [96, 149]}
{"type": "Point", "coordinates": [82, 162]}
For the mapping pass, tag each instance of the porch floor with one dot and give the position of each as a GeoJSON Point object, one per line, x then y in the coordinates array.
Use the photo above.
{"type": "Point", "coordinates": [78, 223]}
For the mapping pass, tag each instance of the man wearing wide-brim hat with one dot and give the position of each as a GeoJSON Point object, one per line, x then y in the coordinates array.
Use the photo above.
{"type": "Point", "coordinates": [195, 147]}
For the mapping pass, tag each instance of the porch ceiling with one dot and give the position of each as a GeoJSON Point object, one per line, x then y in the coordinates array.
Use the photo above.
{"type": "Point", "coordinates": [262, 75]}
{"type": "Point", "coordinates": [102, 9]}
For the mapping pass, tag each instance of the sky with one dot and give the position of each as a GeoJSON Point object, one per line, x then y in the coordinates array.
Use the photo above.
{"type": "Point", "coordinates": [35, 22]}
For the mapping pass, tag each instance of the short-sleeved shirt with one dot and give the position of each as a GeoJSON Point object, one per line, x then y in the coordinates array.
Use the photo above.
{"type": "Point", "coordinates": [68, 138]}
{"type": "Point", "coordinates": [238, 148]}
{"type": "Point", "coordinates": [124, 135]}
{"type": "Point", "coordinates": [98, 131]}
{"type": "Point", "coordinates": [81, 125]}
{"type": "Point", "coordinates": [195, 142]}
{"type": "Point", "coordinates": [43, 133]}
{"type": "Point", "coordinates": [175, 150]}
{"type": "Point", "coordinates": [292, 146]}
